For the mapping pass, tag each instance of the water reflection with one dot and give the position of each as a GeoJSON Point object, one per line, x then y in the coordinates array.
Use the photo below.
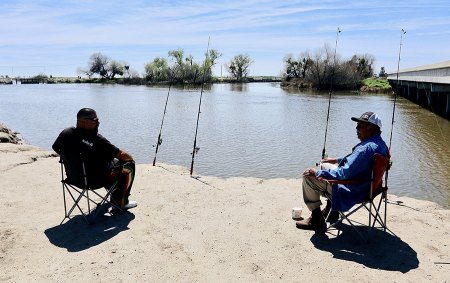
{"type": "Point", "coordinates": [239, 87]}
{"type": "Point", "coordinates": [256, 129]}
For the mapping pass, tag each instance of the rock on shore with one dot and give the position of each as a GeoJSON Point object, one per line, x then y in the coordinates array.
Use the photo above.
{"type": "Point", "coordinates": [9, 136]}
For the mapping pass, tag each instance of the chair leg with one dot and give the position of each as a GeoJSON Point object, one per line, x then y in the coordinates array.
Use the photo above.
{"type": "Point", "coordinates": [75, 203]}
{"type": "Point", "coordinates": [346, 217]}
{"type": "Point", "coordinates": [384, 196]}
{"type": "Point", "coordinates": [91, 214]}
{"type": "Point", "coordinates": [354, 228]}
{"type": "Point", "coordinates": [377, 217]}
{"type": "Point", "coordinates": [104, 200]}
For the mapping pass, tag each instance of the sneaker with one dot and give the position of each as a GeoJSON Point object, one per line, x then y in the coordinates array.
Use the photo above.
{"type": "Point", "coordinates": [131, 204]}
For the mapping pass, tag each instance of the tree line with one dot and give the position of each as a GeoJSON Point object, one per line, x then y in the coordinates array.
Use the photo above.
{"type": "Point", "coordinates": [176, 68]}
{"type": "Point", "coordinates": [317, 69]}
{"type": "Point", "coordinates": [323, 67]}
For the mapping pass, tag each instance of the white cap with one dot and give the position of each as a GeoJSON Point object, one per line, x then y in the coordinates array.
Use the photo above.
{"type": "Point", "coordinates": [369, 117]}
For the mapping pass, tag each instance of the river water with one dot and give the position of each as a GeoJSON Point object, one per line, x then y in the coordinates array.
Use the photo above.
{"type": "Point", "coordinates": [257, 129]}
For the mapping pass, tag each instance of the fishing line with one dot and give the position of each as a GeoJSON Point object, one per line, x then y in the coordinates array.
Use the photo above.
{"type": "Point", "coordinates": [430, 104]}
{"type": "Point", "coordinates": [395, 96]}
{"type": "Point", "coordinates": [329, 98]}
{"type": "Point", "coordinates": [195, 148]}
{"type": "Point", "coordinates": [392, 122]}
{"type": "Point", "coordinates": [158, 143]}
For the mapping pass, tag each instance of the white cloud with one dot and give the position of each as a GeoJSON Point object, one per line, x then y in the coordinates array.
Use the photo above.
{"type": "Point", "coordinates": [54, 33]}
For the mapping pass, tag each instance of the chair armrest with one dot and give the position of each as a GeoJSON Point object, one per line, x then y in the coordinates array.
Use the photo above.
{"type": "Point", "coordinates": [339, 181]}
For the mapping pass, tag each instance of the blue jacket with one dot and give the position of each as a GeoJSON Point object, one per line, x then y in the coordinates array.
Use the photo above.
{"type": "Point", "coordinates": [355, 166]}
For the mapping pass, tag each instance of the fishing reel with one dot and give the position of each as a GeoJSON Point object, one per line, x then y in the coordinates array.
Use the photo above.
{"type": "Point", "coordinates": [158, 143]}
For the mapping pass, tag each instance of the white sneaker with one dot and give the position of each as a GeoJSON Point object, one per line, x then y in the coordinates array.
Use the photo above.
{"type": "Point", "coordinates": [131, 204]}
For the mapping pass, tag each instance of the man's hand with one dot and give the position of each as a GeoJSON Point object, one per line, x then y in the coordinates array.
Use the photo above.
{"type": "Point", "coordinates": [310, 172]}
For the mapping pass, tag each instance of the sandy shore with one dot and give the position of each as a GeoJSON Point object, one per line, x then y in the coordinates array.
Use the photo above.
{"type": "Point", "coordinates": [201, 230]}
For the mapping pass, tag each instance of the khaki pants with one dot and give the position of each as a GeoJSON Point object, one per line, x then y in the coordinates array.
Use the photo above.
{"type": "Point", "coordinates": [313, 188]}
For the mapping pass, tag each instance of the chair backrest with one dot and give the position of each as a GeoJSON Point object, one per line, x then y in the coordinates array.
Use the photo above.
{"type": "Point", "coordinates": [73, 166]}
{"type": "Point", "coordinates": [380, 165]}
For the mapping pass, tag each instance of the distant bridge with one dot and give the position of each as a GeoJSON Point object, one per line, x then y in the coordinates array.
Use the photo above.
{"type": "Point", "coordinates": [428, 86]}
{"type": "Point", "coordinates": [30, 80]}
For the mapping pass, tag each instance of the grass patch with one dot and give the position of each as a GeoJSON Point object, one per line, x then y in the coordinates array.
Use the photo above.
{"type": "Point", "coordinates": [382, 84]}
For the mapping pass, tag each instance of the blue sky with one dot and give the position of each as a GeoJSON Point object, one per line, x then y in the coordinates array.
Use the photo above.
{"type": "Point", "coordinates": [57, 37]}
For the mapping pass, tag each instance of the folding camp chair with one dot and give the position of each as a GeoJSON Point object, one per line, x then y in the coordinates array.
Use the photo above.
{"type": "Point", "coordinates": [381, 166]}
{"type": "Point", "coordinates": [76, 186]}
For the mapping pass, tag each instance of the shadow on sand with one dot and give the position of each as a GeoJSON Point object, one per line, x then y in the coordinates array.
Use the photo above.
{"type": "Point", "coordinates": [383, 251]}
{"type": "Point", "coordinates": [76, 235]}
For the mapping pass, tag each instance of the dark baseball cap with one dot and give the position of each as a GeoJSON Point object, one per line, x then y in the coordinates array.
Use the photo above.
{"type": "Point", "coordinates": [369, 117]}
{"type": "Point", "coordinates": [87, 113]}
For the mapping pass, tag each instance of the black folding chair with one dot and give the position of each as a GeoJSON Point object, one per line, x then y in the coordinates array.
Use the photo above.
{"type": "Point", "coordinates": [76, 187]}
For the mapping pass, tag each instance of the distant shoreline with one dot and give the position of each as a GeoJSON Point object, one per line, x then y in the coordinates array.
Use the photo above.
{"type": "Point", "coordinates": [128, 81]}
{"type": "Point", "coordinates": [295, 84]}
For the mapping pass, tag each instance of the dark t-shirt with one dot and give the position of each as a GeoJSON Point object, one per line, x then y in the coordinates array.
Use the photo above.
{"type": "Point", "coordinates": [94, 149]}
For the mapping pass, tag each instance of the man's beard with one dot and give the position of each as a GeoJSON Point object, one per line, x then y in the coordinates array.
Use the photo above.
{"type": "Point", "coordinates": [93, 131]}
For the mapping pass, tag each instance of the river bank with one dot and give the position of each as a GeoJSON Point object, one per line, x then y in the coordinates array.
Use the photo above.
{"type": "Point", "coordinates": [369, 85]}
{"type": "Point", "coordinates": [201, 230]}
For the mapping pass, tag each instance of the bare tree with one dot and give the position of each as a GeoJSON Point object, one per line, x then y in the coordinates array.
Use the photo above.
{"type": "Point", "coordinates": [115, 68]}
{"type": "Point", "coordinates": [86, 72]}
{"type": "Point", "coordinates": [319, 67]}
{"type": "Point", "coordinates": [297, 68]}
{"type": "Point", "coordinates": [98, 64]}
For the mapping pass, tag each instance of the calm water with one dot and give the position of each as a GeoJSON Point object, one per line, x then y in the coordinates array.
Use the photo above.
{"type": "Point", "coordinates": [257, 130]}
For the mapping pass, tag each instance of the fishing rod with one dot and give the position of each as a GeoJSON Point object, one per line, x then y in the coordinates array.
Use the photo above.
{"type": "Point", "coordinates": [163, 116]}
{"type": "Point", "coordinates": [396, 91]}
{"type": "Point", "coordinates": [329, 98]}
{"type": "Point", "coordinates": [195, 148]}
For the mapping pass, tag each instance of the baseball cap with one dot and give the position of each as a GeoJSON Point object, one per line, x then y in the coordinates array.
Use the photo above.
{"type": "Point", "coordinates": [369, 117]}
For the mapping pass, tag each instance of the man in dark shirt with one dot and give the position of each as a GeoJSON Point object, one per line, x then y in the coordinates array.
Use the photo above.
{"type": "Point", "coordinates": [101, 158]}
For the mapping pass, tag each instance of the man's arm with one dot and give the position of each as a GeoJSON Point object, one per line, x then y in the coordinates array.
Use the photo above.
{"type": "Point", "coordinates": [124, 156]}
{"type": "Point", "coordinates": [357, 162]}
{"type": "Point", "coordinates": [58, 144]}
{"type": "Point", "coordinates": [329, 160]}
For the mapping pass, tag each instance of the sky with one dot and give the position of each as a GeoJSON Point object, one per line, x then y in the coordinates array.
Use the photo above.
{"type": "Point", "coordinates": [58, 37]}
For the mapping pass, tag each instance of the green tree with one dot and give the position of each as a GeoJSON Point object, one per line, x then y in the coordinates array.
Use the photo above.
{"type": "Point", "coordinates": [191, 69]}
{"type": "Point", "coordinates": [157, 70]}
{"type": "Point", "coordinates": [210, 60]}
{"type": "Point", "coordinates": [365, 63]}
{"type": "Point", "coordinates": [177, 69]}
{"type": "Point", "coordinates": [238, 67]}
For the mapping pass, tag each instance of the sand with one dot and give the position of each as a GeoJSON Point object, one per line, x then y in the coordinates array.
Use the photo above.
{"type": "Point", "coordinates": [204, 229]}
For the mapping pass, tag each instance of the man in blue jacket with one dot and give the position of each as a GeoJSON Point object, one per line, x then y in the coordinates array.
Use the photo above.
{"type": "Point", "coordinates": [355, 166]}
